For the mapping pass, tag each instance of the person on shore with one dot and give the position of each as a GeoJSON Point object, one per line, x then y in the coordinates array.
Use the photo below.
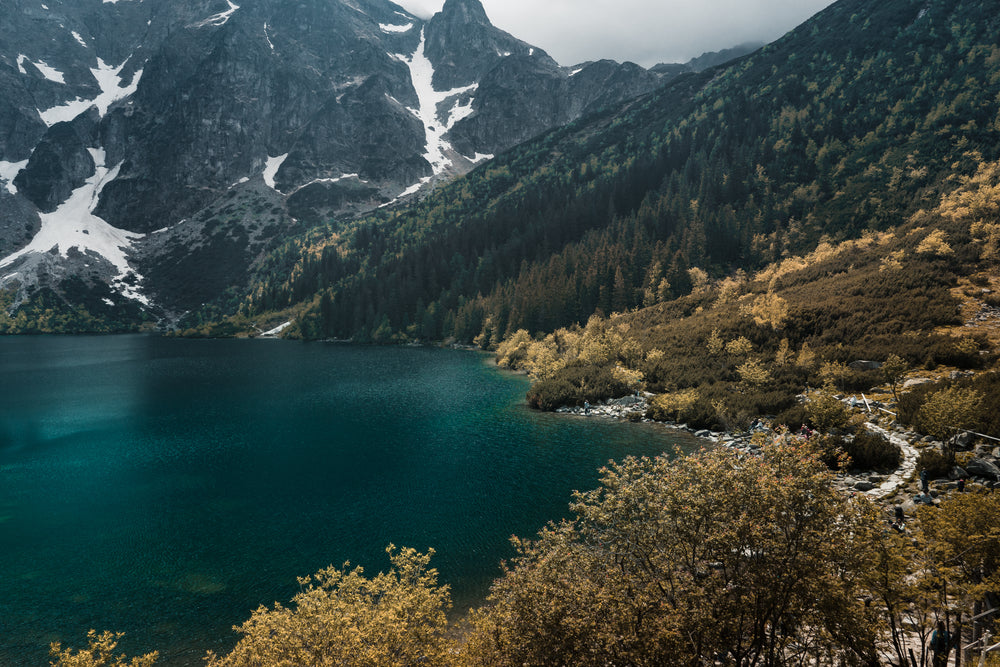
{"type": "Point", "coordinates": [961, 485]}
{"type": "Point", "coordinates": [923, 481]}
{"type": "Point", "coordinates": [940, 645]}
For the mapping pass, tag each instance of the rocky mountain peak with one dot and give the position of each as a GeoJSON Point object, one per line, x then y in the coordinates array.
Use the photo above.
{"type": "Point", "coordinates": [464, 12]}
{"type": "Point", "coordinates": [463, 45]}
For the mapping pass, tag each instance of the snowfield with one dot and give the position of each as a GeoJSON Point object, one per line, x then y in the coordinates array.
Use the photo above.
{"type": "Point", "coordinates": [73, 225]}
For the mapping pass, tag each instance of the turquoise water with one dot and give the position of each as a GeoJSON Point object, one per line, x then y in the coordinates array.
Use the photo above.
{"type": "Point", "coordinates": [166, 488]}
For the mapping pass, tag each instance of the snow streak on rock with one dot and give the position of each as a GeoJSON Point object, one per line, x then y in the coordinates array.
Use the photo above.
{"type": "Point", "coordinates": [50, 73]}
{"type": "Point", "coordinates": [219, 19]}
{"type": "Point", "coordinates": [74, 225]}
{"type": "Point", "coordinates": [435, 127]}
{"type": "Point", "coordinates": [268, 38]}
{"type": "Point", "coordinates": [79, 39]}
{"type": "Point", "coordinates": [110, 82]}
{"type": "Point", "coordinates": [273, 333]}
{"type": "Point", "coordinates": [479, 157]}
{"type": "Point", "coordinates": [413, 189]}
{"type": "Point", "coordinates": [387, 27]}
{"type": "Point", "coordinates": [331, 180]}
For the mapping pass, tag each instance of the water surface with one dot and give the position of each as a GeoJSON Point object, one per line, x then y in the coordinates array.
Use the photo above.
{"type": "Point", "coordinates": [165, 488]}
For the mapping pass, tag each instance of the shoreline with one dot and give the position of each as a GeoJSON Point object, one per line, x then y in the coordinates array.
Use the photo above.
{"type": "Point", "coordinates": [895, 487]}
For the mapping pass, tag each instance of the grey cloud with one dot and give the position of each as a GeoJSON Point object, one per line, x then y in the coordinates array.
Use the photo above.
{"type": "Point", "coordinates": [643, 31]}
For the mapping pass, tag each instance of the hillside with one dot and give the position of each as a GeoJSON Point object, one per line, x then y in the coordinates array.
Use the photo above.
{"type": "Point", "coordinates": [851, 123]}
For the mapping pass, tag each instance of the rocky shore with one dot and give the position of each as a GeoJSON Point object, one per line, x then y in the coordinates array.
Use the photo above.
{"type": "Point", "coordinates": [902, 487]}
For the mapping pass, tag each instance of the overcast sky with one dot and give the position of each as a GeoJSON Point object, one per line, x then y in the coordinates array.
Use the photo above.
{"type": "Point", "coordinates": [643, 31]}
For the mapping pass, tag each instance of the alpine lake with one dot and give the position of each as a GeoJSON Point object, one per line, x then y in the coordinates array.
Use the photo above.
{"type": "Point", "coordinates": [166, 488]}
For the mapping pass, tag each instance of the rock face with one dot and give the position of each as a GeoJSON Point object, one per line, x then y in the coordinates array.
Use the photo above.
{"type": "Point", "coordinates": [232, 124]}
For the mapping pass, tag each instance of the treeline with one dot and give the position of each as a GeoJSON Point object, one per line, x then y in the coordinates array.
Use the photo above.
{"type": "Point", "coordinates": [852, 122]}
{"type": "Point", "coordinates": [45, 311]}
{"type": "Point", "coordinates": [716, 557]}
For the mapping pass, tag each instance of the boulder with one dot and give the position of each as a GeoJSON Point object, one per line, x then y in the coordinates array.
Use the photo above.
{"type": "Point", "coordinates": [626, 401]}
{"type": "Point", "coordinates": [862, 365]}
{"type": "Point", "coordinates": [962, 441]}
{"type": "Point", "coordinates": [983, 468]}
{"type": "Point", "coordinates": [916, 382]}
{"type": "Point", "coordinates": [864, 486]}
{"type": "Point", "coordinates": [957, 473]}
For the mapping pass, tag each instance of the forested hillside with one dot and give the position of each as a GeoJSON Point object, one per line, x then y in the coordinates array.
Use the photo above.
{"type": "Point", "coordinates": [853, 122]}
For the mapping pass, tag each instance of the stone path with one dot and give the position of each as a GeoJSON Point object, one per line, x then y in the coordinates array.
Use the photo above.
{"type": "Point", "coordinates": [906, 469]}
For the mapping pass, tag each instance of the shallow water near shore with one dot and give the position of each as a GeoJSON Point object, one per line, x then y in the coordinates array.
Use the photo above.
{"type": "Point", "coordinates": [166, 488]}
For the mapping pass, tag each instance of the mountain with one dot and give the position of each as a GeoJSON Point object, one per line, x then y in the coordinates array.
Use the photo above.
{"type": "Point", "coordinates": [853, 123]}
{"type": "Point", "coordinates": [706, 60]}
{"type": "Point", "coordinates": [151, 151]}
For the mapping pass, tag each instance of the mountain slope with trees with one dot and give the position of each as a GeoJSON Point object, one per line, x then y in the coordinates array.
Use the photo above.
{"type": "Point", "coordinates": [855, 121]}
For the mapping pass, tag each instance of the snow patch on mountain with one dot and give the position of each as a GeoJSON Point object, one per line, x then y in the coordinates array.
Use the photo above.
{"type": "Point", "coordinates": [273, 333]}
{"type": "Point", "coordinates": [271, 169]}
{"type": "Point", "coordinates": [50, 73]}
{"type": "Point", "coordinates": [79, 39]}
{"type": "Point", "coordinates": [109, 80]}
{"type": "Point", "coordinates": [459, 111]}
{"type": "Point", "coordinates": [479, 157]}
{"type": "Point", "coordinates": [74, 225]}
{"type": "Point", "coordinates": [413, 189]}
{"type": "Point", "coordinates": [435, 127]}
{"type": "Point", "coordinates": [387, 27]}
{"type": "Point", "coordinates": [8, 170]}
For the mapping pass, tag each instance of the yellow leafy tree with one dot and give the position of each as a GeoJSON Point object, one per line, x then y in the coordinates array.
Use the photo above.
{"type": "Point", "coordinates": [715, 344]}
{"type": "Point", "coordinates": [513, 351]}
{"type": "Point", "coordinates": [628, 377]}
{"type": "Point", "coordinates": [962, 540]}
{"type": "Point", "coordinates": [784, 354]}
{"type": "Point", "coordinates": [99, 653]}
{"type": "Point", "coordinates": [767, 310]}
{"type": "Point", "coordinates": [825, 411]}
{"type": "Point", "coordinates": [833, 373]}
{"type": "Point", "coordinates": [341, 617]}
{"type": "Point", "coordinates": [977, 202]}
{"type": "Point", "coordinates": [948, 411]}
{"type": "Point", "coordinates": [806, 357]}
{"type": "Point", "coordinates": [719, 556]}
{"type": "Point", "coordinates": [739, 347]}
{"type": "Point", "coordinates": [672, 406]}
{"type": "Point", "coordinates": [544, 358]}
{"type": "Point", "coordinates": [754, 373]}
{"type": "Point", "coordinates": [894, 369]}
{"type": "Point", "coordinates": [935, 243]}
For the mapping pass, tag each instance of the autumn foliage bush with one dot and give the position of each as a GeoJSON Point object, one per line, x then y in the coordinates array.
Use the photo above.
{"type": "Point", "coordinates": [872, 451]}
{"type": "Point", "coordinates": [577, 383]}
{"type": "Point", "coordinates": [719, 556]}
